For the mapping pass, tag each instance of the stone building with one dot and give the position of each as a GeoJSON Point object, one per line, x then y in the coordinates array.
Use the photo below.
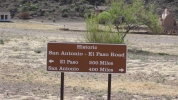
{"type": "Point", "coordinates": [4, 15]}
{"type": "Point", "coordinates": [99, 9]}
{"type": "Point", "coordinates": [168, 22]}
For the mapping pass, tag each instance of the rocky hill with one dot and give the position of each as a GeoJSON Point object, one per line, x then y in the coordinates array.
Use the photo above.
{"type": "Point", "coordinates": [74, 9]}
{"type": "Point", "coordinates": [171, 5]}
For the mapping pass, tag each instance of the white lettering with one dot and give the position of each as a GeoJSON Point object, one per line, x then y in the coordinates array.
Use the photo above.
{"type": "Point", "coordinates": [91, 54]}
{"type": "Point", "coordinates": [72, 62]}
{"type": "Point", "coordinates": [68, 69]}
{"type": "Point", "coordinates": [86, 47]}
{"type": "Point", "coordinates": [93, 62]}
{"type": "Point", "coordinates": [117, 54]}
{"type": "Point", "coordinates": [106, 70]}
{"type": "Point", "coordinates": [72, 53]}
{"type": "Point", "coordinates": [53, 53]}
{"type": "Point", "coordinates": [102, 54]}
{"type": "Point", "coordinates": [52, 68]}
{"type": "Point", "coordinates": [62, 61]}
{"type": "Point", "coordinates": [106, 63]}
{"type": "Point", "coordinates": [93, 69]}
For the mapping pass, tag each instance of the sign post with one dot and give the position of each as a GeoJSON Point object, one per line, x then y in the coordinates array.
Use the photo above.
{"type": "Point", "coordinates": [62, 86]}
{"type": "Point", "coordinates": [86, 57]}
{"type": "Point", "coordinates": [109, 86]}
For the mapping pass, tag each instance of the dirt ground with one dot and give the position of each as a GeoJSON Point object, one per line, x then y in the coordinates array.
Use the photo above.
{"type": "Point", "coordinates": [152, 66]}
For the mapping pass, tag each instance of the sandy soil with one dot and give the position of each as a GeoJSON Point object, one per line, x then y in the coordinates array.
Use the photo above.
{"type": "Point", "coordinates": [151, 69]}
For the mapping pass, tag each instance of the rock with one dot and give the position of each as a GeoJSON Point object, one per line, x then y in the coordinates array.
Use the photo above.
{"type": "Point", "coordinates": [137, 97]}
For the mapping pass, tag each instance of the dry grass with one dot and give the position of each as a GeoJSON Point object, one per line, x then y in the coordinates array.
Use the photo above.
{"type": "Point", "coordinates": [28, 25]}
{"type": "Point", "coordinates": [20, 63]}
{"type": "Point", "coordinates": [145, 88]}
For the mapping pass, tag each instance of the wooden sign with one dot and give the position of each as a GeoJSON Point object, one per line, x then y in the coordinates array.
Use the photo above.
{"type": "Point", "coordinates": [86, 57]}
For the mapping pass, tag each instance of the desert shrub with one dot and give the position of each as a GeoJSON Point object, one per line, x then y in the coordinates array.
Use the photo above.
{"type": "Point", "coordinates": [57, 6]}
{"type": "Point", "coordinates": [46, 14]}
{"type": "Point", "coordinates": [23, 1]}
{"type": "Point", "coordinates": [168, 1]}
{"type": "Point", "coordinates": [37, 51]}
{"type": "Point", "coordinates": [66, 1]}
{"type": "Point", "coordinates": [72, 5]}
{"type": "Point", "coordinates": [88, 6]}
{"type": "Point", "coordinates": [81, 8]}
{"type": "Point", "coordinates": [76, 8]}
{"type": "Point", "coordinates": [60, 9]}
{"type": "Point", "coordinates": [49, 18]}
{"type": "Point", "coordinates": [24, 15]}
{"type": "Point", "coordinates": [22, 8]}
{"type": "Point", "coordinates": [63, 9]}
{"type": "Point", "coordinates": [41, 13]}
{"type": "Point", "coordinates": [72, 13]}
{"type": "Point", "coordinates": [97, 34]}
{"type": "Point", "coordinates": [65, 14]}
{"type": "Point", "coordinates": [83, 1]}
{"type": "Point", "coordinates": [33, 7]}
{"type": "Point", "coordinates": [150, 19]}
{"type": "Point", "coordinates": [88, 12]}
{"type": "Point", "coordinates": [119, 20]}
{"type": "Point", "coordinates": [1, 41]}
{"type": "Point", "coordinates": [51, 10]}
{"type": "Point", "coordinates": [33, 13]}
{"type": "Point", "coordinates": [81, 14]}
{"type": "Point", "coordinates": [27, 4]}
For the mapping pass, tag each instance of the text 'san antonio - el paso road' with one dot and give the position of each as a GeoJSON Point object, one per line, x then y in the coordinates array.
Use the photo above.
{"type": "Point", "coordinates": [70, 53]}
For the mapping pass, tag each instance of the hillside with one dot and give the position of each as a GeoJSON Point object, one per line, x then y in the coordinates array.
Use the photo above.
{"type": "Point", "coordinates": [171, 5]}
{"type": "Point", "coordinates": [74, 9]}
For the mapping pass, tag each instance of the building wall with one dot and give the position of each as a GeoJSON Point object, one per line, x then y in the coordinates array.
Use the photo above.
{"type": "Point", "coordinates": [98, 12]}
{"type": "Point", "coordinates": [168, 22]}
{"type": "Point", "coordinates": [4, 14]}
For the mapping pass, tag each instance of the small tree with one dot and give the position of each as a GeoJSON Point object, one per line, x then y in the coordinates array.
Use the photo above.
{"type": "Point", "coordinates": [25, 15]}
{"type": "Point", "coordinates": [120, 19]}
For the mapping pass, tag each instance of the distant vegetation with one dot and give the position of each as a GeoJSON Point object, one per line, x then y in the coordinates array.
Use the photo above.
{"type": "Point", "coordinates": [56, 9]}
{"type": "Point", "coordinates": [120, 19]}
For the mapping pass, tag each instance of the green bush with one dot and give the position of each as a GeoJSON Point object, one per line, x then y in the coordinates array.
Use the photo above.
{"type": "Point", "coordinates": [37, 51]}
{"type": "Point", "coordinates": [24, 15]}
{"type": "Point", "coordinates": [97, 34]}
{"type": "Point", "coordinates": [33, 7]}
{"type": "Point", "coordinates": [22, 8]}
{"type": "Point", "coordinates": [46, 14]}
{"type": "Point", "coordinates": [119, 20]}
{"type": "Point", "coordinates": [27, 4]}
{"type": "Point", "coordinates": [1, 41]}
{"type": "Point", "coordinates": [88, 6]}
{"type": "Point", "coordinates": [23, 1]}
{"type": "Point", "coordinates": [77, 8]}
{"type": "Point", "coordinates": [88, 12]}
{"type": "Point", "coordinates": [49, 18]}
{"type": "Point", "coordinates": [72, 5]}
{"type": "Point", "coordinates": [33, 13]}
{"type": "Point", "coordinates": [63, 9]}
{"type": "Point", "coordinates": [65, 14]}
{"type": "Point", "coordinates": [168, 1]}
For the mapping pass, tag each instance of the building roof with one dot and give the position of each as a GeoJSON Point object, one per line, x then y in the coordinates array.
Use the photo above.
{"type": "Point", "coordinates": [101, 7]}
{"type": "Point", "coordinates": [3, 10]}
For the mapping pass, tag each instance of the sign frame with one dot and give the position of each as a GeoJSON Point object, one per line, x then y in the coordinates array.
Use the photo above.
{"type": "Point", "coordinates": [83, 43]}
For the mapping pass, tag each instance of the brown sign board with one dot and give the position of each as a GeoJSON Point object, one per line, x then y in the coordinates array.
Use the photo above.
{"type": "Point", "coordinates": [86, 57]}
